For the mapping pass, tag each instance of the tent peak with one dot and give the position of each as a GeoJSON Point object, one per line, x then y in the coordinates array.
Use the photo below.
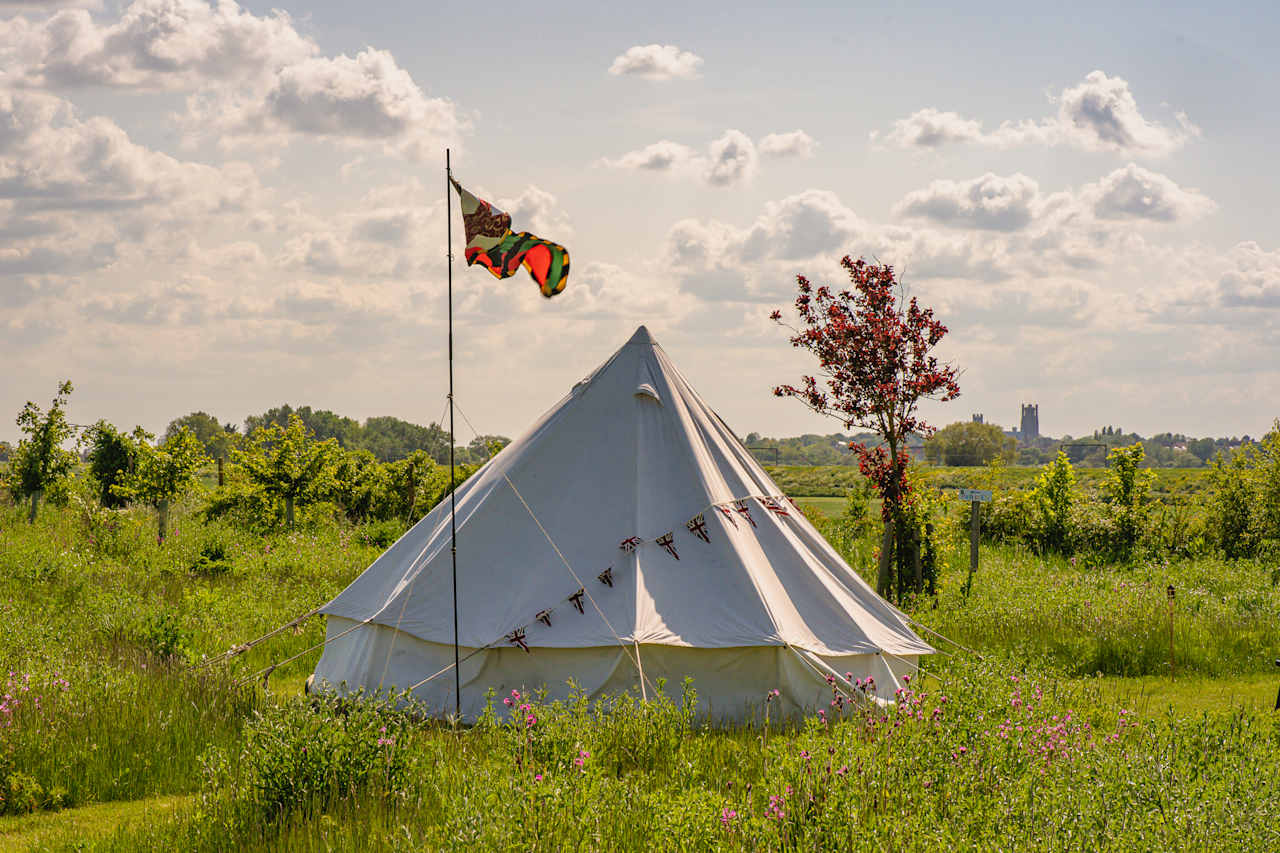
{"type": "Point", "coordinates": [642, 336]}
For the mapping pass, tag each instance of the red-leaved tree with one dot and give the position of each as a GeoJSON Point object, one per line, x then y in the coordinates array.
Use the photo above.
{"type": "Point", "coordinates": [876, 365]}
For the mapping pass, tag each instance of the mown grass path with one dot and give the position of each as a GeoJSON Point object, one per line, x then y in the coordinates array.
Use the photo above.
{"type": "Point", "coordinates": [51, 830]}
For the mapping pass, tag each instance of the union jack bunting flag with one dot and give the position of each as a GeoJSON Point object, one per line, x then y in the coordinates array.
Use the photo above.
{"type": "Point", "coordinates": [698, 527]}
{"type": "Point", "coordinates": [771, 504]}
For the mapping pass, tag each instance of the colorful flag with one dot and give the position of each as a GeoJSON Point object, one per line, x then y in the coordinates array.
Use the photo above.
{"type": "Point", "coordinates": [491, 242]}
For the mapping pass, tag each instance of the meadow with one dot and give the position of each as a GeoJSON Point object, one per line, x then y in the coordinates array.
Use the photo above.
{"type": "Point", "coordinates": [1064, 727]}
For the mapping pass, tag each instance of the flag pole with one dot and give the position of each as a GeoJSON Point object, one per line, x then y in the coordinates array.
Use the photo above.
{"type": "Point", "coordinates": [453, 530]}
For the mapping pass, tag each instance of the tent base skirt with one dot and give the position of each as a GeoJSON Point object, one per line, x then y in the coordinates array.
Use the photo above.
{"type": "Point", "coordinates": [731, 683]}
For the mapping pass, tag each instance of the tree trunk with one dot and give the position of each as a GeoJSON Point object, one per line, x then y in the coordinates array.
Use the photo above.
{"type": "Point", "coordinates": [886, 559]}
{"type": "Point", "coordinates": [220, 480]}
{"type": "Point", "coordinates": [35, 505]}
{"type": "Point", "coordinates": [411, 492]}
{"type": "Point", "coordinates": [288, 511]}
{"type": "Point", "coordinates": [162, 520]}
{"type": "Point", "coordinates": [916, 561]}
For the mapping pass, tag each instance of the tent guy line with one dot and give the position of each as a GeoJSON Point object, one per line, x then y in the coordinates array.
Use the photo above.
{"type": "Point", "coordinates": [581, 585]}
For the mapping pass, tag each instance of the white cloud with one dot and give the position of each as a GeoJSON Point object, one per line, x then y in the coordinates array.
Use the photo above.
{"type": "Point", "coordinates": [253, 79]}
{"type": "Point", "coordinates": [656, 62]}
{"type": "Point", "coordinates": [155, 44]}
{"type": "Point", "coordinates": [1253, 279]}
{"type": "Point", "coordinates": [661, 156]}
{"type": "Point", "coordinates": [797, 143]}
{"type": "Point", "coordinates": [52, 159]}
{"type": "Point", "coordinates": [991, 201]}
{"type": "Point", "coordinates": [1098, 114]}
{"type": "Point", "coordinates": [1101, 114]}
{"type": "Point", "coordinates": [731, 159]}
{"type": "Point", "coordinates": [351, 100]}
{"type": "Point", "coordinates": [1014, 203]}
{"type": "Point", "coordinates": [930, 128]}
{"type": "Point", "coordinates": [1136, 193]}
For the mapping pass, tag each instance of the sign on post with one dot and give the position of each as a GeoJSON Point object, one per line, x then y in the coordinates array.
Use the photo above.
{"type": "Point", "coordinates": [974, 497]}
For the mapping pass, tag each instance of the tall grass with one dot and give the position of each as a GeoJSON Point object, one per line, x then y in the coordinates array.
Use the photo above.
{"type": "Point", "coordinates": [979, 760]}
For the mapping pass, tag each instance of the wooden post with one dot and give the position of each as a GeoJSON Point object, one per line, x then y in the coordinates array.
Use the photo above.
{"type": "Point", "coordinates": [221, 482]}
{"type": "Point", "coordinates": [1171, 594]}
{"type": "Point", "coordinates": [35, 505]}
{"type": "Point", "coordinates": [973, 545]}
{"type": "Point", "coordinates": [915, 560]}
{"type": "Point", "coordinates": [162, 520]}
{"type": "Point", "coordinates": [411, 492]}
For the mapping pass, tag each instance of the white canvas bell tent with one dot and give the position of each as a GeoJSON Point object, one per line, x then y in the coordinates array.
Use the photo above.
{"type": "Point", "coordinates": [628, 536]}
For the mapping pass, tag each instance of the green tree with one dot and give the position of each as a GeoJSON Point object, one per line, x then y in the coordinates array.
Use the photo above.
{"type": "Point", "coordinates": [391, 438]}
{"type": "Point", "coordinates": [1054, 496]}
{"type": "Point", "coordinates": [40, 462]}
{"type": "Point", "coordinates": [111, 456]}
{"type": "Point", "coordinates": [323, 423]}
{"type": "Point", "coordinates": [215, 437]}
{"type": "Point", "coordinates": [968, 443]}
{"type": "Point", "coordinates": [1231, 525]}
{"type": "Point", "coordinates": [161, 473]}
{"type": "Point", "coordinates": [288, 463]}
{"type": "Point", "coordinates": [1202, 448]}
{"type": "Point", "coordinates": [1127, 488]}
{"type": "Point", "coordinates": [1267, 463]}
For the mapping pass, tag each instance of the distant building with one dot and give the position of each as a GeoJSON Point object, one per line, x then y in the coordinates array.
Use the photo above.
{"type": "Point", "coordinates": [977, 418]}
{"type": "Point", "coordinates": [1030, 429]}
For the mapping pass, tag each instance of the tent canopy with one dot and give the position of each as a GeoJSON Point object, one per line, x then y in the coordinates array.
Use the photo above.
{"type": "Point", "coordinates": [632, 490]}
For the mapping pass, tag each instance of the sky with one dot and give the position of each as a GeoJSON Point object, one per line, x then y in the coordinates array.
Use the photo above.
{"type": "Point", "coordinates": [222, 207]}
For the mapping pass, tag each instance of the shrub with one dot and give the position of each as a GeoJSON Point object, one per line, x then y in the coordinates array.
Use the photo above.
{"type": "Point", "coordinates": [1230, 514]}
{"type": "Point", "coordinates": [306, 755]}
{"type": "Point", "coordinates": [1053, 497]}
{"type": "Point", "coordinates": [213, 560]}
{"type": "Point", "coordinates": [164, 637]}
{"type": "Point", "coordinates": [381, 534]}
{"type": "Point", "coordinates": [1127, 489]}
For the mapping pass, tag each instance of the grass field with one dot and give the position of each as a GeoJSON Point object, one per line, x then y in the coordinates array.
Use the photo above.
{"type": "Point", "coordinates": [1169, 485]}
{"type": "Point", "coordinates": [1070, 732]}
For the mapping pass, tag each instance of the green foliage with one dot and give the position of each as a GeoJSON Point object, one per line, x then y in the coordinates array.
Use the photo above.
{"type": "Point", "coordinates": [809, 449]}
{"type": "Point", "coordinates": [391, 438]}
{"type": "Point", "coordinates": [216, 438]}
{"type": "Point", "coordinates": [162, 473]}
{"type": "Point", "coordinates": [967, 443]}
{"type": "Point", "coordinates": [163, 636]}
{"type": "Point", "coordinates": [653, 776]}
{"type": "Point", "coordinates": [288, 463]}
{"type": "Point", "coordinates": [111, 457]}
{"type": "Point", "coordinates": [323, 423]}
{"type": "Point", "coordinates": [214, 559]}
{"type": "Point", "coordinates": [1127, 490]}
{"type": "Point", "coordinates": [40, 463]}
{"type": "Point", "coordinates": [1054, 497]}
{"type": "Point", "coordinates": [309, 755]}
